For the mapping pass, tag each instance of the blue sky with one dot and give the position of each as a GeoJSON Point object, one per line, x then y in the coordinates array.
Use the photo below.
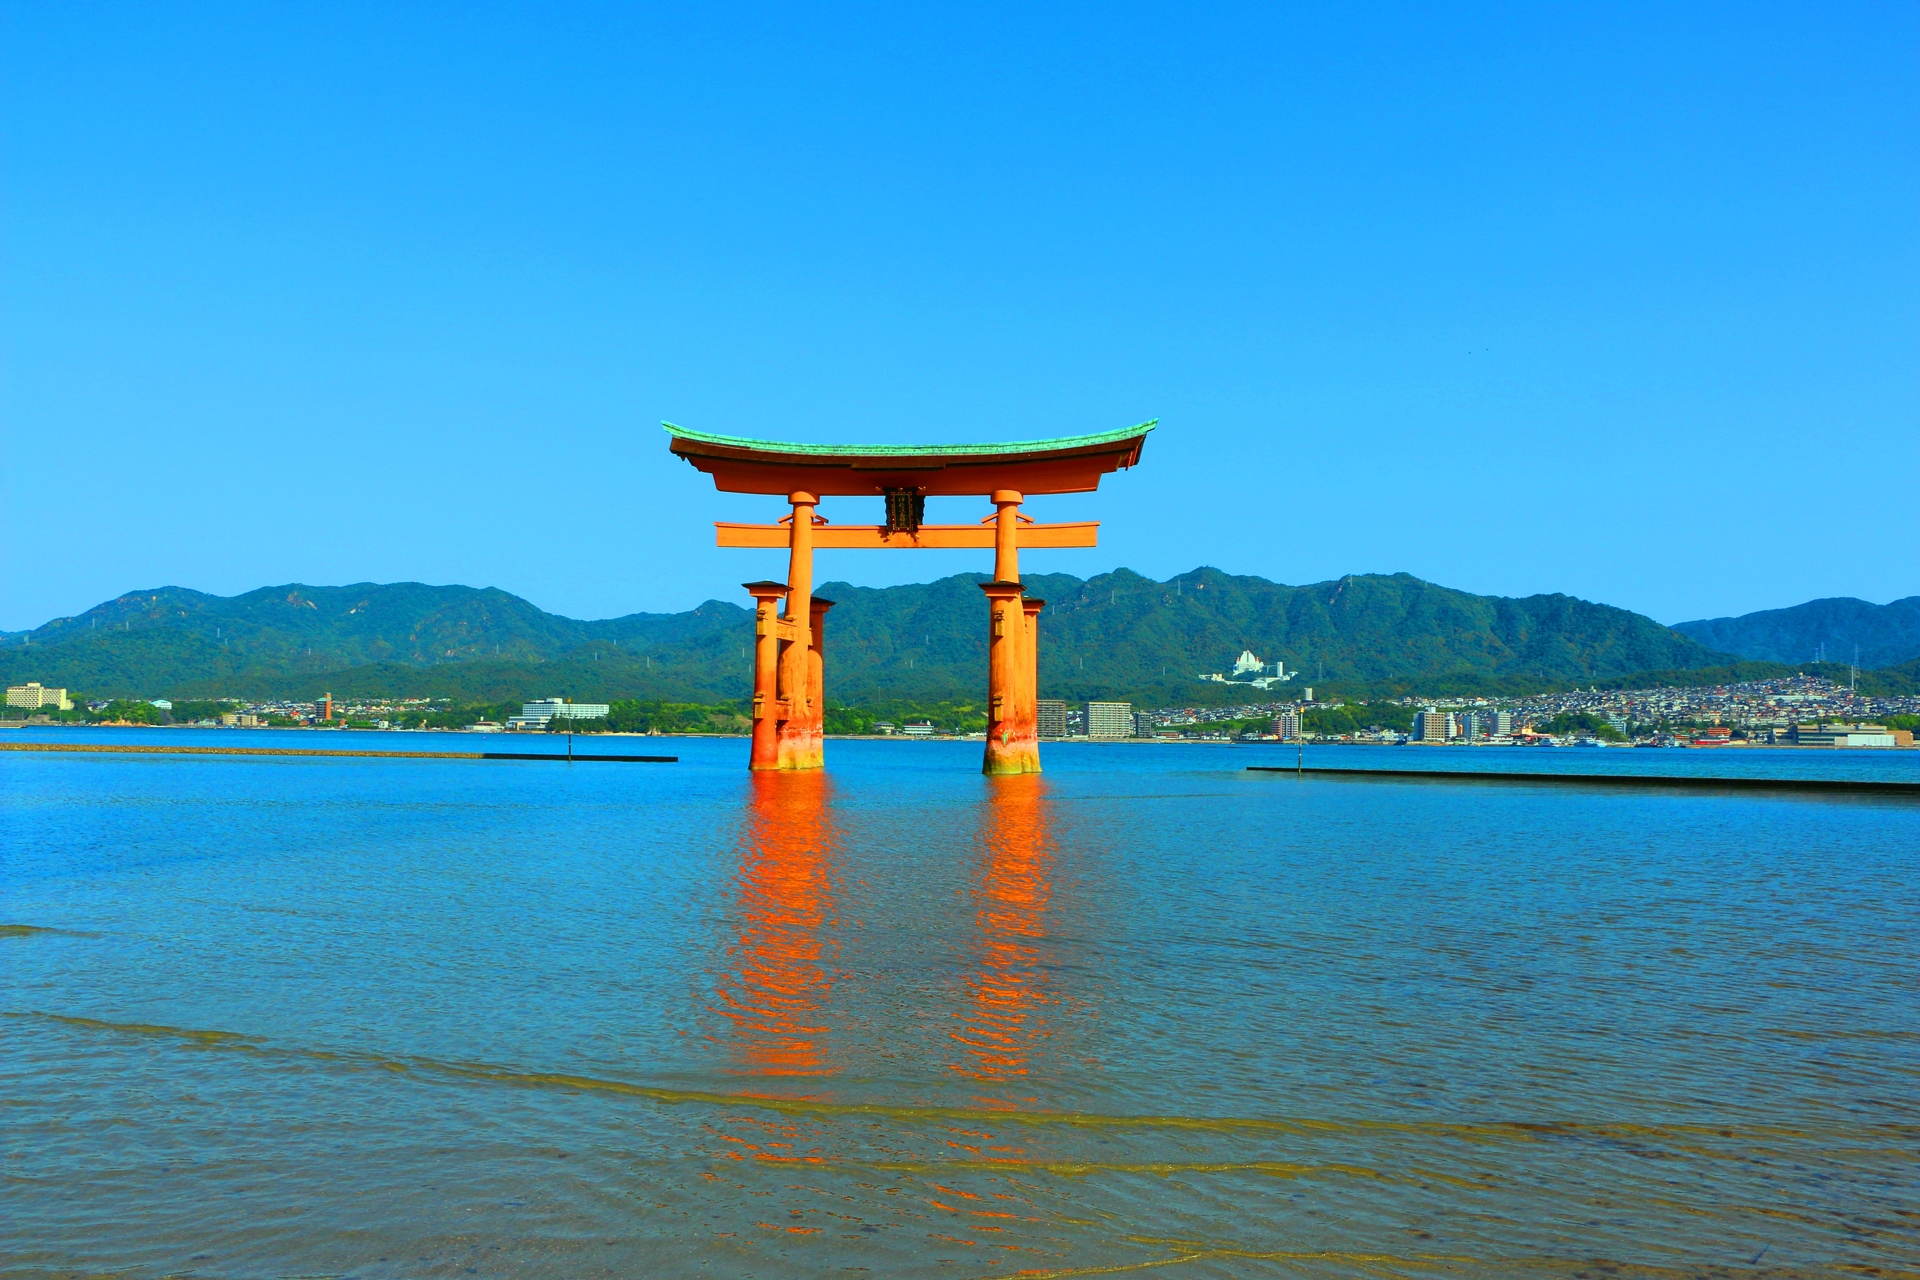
{"type": "Point", "coordinates": [1621, 303]}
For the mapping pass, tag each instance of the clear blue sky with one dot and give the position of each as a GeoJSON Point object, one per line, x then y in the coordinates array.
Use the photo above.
{"type": "Point", "coordinates": [1618, 301]}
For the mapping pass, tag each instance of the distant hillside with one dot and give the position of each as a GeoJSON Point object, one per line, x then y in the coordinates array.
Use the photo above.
{"type": "Point", "coordinates": [295, 640]}
{"type": "Point", "coordinates": [1902, 680]}
{"type": "Point", "coordinates": [1886, 633]}
{"type": "Point", "coordinates": [1121, 634]}
{"type": "Point", "coordinates": [1115, 635]}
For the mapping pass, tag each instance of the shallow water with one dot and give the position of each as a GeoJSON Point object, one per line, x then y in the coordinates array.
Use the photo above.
{"type": "Point", "coordinates": [293, 1016]}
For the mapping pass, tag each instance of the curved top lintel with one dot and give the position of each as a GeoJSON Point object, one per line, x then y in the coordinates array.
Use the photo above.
{"type": "Point", "coordinates": [908, 451]}
{"type": "Point", "coordinates": [1064, 464]}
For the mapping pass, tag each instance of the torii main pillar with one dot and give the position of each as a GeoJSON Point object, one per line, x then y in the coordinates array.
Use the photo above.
{"type": "Point", "coordinates": [789, 667]}
{"type": "Point", "coordinates": [1013, 651]}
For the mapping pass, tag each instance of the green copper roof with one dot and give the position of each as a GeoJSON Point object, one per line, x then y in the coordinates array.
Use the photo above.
{"type": "Point", "coordinates": [913, 450]}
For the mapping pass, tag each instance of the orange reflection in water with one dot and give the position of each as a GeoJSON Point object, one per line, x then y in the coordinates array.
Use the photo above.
{"type": "Point", "coordinates": [775, 994]}
{"type": "Point", "coordinates": [1004, 1021]}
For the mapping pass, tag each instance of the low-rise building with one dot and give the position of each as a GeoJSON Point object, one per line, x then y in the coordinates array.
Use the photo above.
{"type": "Point", "coordinates": [1842, 735]}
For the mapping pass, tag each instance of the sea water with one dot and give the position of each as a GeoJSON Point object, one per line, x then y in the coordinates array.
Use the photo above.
{"type": "Point", "coordinates": [386, 1018]}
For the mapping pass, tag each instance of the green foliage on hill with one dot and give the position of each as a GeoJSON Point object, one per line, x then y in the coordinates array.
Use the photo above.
{"type": "Point", "coordinates": [1231, 728]}
{"type": "Point", "coordinates": [635, 715]}
{"type": "Point", "coordinates": [1118, 635]}
{"type": "Point", "coordinates": [1581, 722]}
{"type": "Point", "coordinates": [946, 715]}
{"type": "Point", "coordinates": [1359, 717]}
{"type": "Point", "coordinates": [186, 711]}
{"type": "Point", "coordinates": [1902, 681]}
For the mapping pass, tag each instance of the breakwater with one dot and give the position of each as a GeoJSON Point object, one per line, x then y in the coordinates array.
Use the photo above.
{"type": "Point", "coordinates": [1667, 781]}
{"type": "Point", "coordinates": [171, 749]}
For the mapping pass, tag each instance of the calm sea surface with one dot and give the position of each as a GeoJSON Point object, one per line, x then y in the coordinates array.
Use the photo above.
{"type": "Point", "coordinates": [394, 1018]}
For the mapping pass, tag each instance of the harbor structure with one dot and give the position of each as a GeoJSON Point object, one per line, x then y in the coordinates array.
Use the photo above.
{"type": "Point", "coordinates": [788, 708]}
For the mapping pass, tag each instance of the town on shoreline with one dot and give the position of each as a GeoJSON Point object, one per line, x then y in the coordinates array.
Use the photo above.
{"type": "Point", "coordinates": [1798, 711]}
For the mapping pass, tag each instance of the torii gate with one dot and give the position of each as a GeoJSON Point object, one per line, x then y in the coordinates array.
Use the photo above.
{"type": "Point", "coordinates": [788, 669]}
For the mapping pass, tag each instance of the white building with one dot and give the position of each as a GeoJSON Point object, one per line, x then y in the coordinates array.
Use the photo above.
{"type": "Point", "coordinates": [1841, 735]}
{"type": "Point", "coordinates": [1109, 719]}
{"type": "Point", "coordinates": [542, 712]}
{"type": "Point", "coordinates": [33, 697]}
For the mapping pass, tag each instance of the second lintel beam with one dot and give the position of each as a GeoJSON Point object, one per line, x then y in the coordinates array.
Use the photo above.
{"type": "Point", "coordinates": [937, 537]}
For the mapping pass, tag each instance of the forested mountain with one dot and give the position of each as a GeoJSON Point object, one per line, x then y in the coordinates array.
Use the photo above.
{"type": "Point", "coordinates": [403, 637]}
{"type": "Point", "coordinates": [1115, 635]}
{"type": "Point", "coordinates": [1887, 634]}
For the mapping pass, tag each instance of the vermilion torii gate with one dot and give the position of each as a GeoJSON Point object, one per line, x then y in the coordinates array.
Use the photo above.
{"type": "Point", "coordinates": [788, 666]}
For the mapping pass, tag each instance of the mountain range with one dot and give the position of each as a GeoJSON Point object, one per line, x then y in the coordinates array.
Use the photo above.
{"type": "Point", "coordinates": [1114, 635]}
{"type": "Point", "coordinates": [1829, 630]}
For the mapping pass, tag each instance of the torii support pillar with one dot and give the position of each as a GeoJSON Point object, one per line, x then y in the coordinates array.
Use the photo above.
{"type": "Point", "coordinates": [788, 731]}
{"type": "Point", "coordinates": [765, 753]}
{"type": "Point", "coordinates": [803, 737]}
{"type": "Point", "coordinates": [1031, 709]}
{"type": "Point", "coordinates": [789, 704]}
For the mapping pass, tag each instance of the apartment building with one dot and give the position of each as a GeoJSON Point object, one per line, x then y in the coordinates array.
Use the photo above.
{"type": "Point", "coordinates": [33, 697]}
